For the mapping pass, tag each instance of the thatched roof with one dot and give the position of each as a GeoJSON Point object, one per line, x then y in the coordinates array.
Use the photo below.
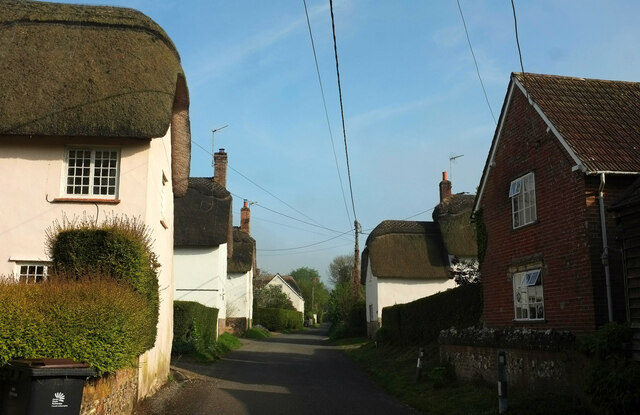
{"type": "Point", "coordinates": [203, 215]}
{"type": "Point", "coordinates": [458, 233]}
{"type": "Point", "coordinates": [71, 70]}
{"type": "Point", "coordinates": [244, 253]}
{"type": "Point", "coordinates": [406, 249]}
{"type": "Point", "coordinates": [263, 280]}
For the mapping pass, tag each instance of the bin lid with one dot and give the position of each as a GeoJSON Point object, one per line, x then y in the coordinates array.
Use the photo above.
{"type": "Point", "coordinates": [49, 363]}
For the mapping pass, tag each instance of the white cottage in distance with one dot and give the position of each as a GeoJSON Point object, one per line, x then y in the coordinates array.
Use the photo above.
{"type": "Point", "coordinates": [203, 240]}
{"type": "Point", "coordinates": [288, 286]}
{"type": "Point", "coordinates": [93, 121]}
{"type": "Point", "coordinates": [240, 271]}
{"type": "Point", "coordinates": [407, 260]}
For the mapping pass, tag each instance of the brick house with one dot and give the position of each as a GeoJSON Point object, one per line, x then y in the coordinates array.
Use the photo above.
{"type": "Point", "coordinates": [563, 152]}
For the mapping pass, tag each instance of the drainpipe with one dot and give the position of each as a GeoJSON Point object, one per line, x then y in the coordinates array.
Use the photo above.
{"type": "Point", "coordinates": [605, 247]}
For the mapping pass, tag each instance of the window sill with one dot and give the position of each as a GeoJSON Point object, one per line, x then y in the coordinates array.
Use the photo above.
{"type": "Point", "coordinates": [537, 321]}
{"type": "Point", "coordinates": [525, 226]}
{"type": "Point", "coordinates": [82, 200]}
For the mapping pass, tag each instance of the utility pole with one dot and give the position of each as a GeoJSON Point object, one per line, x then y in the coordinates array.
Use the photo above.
{"type": "Point", "coordinates": [356, 264]}
{"type": "Point", "coordinates": [213, 147]}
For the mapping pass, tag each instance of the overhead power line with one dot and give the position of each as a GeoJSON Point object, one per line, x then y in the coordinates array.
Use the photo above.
{"type": "Point", "coordinates": [304, 246]}
{"type": "Point", "coordinates": [484, 91]}
{"type": "Point", "coordinates": [344, 130]}
{"type": "Point", "coordinates": [262, 188]}
{"type": "Point", "coordinates": [326, 113]}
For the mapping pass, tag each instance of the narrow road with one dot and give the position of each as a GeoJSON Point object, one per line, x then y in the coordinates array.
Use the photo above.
{"type": "Point", "coordinates": [286, 374]}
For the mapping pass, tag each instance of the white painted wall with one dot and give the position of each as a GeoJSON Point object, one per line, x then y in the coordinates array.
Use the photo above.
{"type": "Point", "coordinates": [371, 293]}
{"type": "Point", "coordinates": [296, 299]}
{"type": "Point", "coordinates": [202, 268]}
{"type": "Point", "coordinates": [240, 295]}
{"type": "Point", "coordinates": [393, 291]}
{"type": "Point", "coordinates": [33, 172]}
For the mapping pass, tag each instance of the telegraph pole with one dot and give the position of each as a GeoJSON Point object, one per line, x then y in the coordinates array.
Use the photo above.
{"type": "Point", "coordinates": [356, 264]}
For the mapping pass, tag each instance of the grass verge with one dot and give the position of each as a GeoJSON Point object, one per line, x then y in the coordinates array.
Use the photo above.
{"type": "Point", "coordinates": [439, 392]}
{"type": "Point", "coordinates": [257, 333]}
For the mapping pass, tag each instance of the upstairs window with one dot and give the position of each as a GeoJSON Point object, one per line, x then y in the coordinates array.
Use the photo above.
{"type": "Point", "coordinates": [92, 172]}
{"type": "Point", "coordinates": [528, 299]}
{"type": "Point", "coordinates": [523, 200]}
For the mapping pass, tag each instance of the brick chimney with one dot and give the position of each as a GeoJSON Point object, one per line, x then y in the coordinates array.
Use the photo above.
{"type": "Point", "coordinates": [220, 168]}
{"type": "Point", "coordinates": [245, 218]}
{"type": "Point", "coordinates": [445, 188]}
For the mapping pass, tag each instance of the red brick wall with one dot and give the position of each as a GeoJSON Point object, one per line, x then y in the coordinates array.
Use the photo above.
{"type": "Point", "coordinates": [566, 238]}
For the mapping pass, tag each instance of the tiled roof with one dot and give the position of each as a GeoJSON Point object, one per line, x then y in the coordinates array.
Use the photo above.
{"type": "Point", "coordinates": [599, 119]}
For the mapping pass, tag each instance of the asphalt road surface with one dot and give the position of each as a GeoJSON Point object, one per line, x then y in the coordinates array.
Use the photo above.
{"type": "Point", "coordinates": [285, 374]}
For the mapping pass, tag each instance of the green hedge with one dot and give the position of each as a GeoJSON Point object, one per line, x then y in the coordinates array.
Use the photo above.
{"type": "Point", "coordinates": [120, 248]}
{"type": "Point", "coordinates": [277, 319]}
{"type": "Point", "coordinates": [421, 321]}
{"type": "Point", "coordinates": [194, 328]}
{"type": "Point", "coordinates": [99, 321]}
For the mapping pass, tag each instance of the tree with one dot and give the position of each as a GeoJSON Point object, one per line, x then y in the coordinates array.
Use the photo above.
{"type": "Point", "coordinates": [271, 296]}
{"type": "Point", "coordinates": [341, 269]}
{"type": "Point", "coordinates": [313, 291]}
{"type": "Point", "coordinates": [465, 271]}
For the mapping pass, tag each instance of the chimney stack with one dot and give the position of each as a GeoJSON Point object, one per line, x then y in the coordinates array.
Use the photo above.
{"type": "Point", "coordinates": [220, 168]}
{"type": "Point", "coordinates": [445, 188]}
{"type": "Point", "coordinates": [245, 218]}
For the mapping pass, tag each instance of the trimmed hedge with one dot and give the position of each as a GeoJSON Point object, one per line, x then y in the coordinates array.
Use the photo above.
{"type": "Point", "coordinates": [421, 321]}
{"type": "Point", "coordinates": [99, 321]}
{"type": "Point", "coordinates": [194, 328]}
{"type": "Point", "coordinates": [277, 319]}
{"type": "Point", "coordinates": [120, 248]}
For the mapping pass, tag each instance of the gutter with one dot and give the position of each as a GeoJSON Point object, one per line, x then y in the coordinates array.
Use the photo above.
{"type": "Point", "coordinates": [605, 246]}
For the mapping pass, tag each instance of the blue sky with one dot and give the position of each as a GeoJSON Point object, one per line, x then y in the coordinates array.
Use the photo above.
{"type": "Point", "coordinates": [411, 99]}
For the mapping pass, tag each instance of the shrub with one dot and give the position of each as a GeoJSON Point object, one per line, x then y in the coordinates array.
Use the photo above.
{"type": "Point", "coordinates": [421, 321]}
{"type": "Point", "coordinates": [119, 247]}
{"type": "Point", "coordinates": [194, 328]}
{"type": "Point", "coordinates": [613, 380]}
{"type": "Point", "coordinates": [257, 332]}
{"type": "Point", "coordinates": [99, 321]}
{"type": "Point", "coordinates": [277, 319]}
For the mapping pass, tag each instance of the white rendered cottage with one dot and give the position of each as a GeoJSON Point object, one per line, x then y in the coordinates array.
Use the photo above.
{"type": "Point", "coordinates": [93, 121]}
{"type": "Point", "coordinates": [240, 270]}
{"type": "Point", "coordinates": [407, 260]}
{"type": "Point", "coordinates": [203, 241]}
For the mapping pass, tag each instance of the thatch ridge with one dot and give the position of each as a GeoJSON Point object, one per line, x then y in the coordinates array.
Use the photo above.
{"type": "Point", "coordinates": [36, 12]}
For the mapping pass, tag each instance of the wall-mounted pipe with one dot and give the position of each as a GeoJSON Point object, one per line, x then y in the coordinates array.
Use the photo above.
{"type": "Point", "coordinates": [605, 247]}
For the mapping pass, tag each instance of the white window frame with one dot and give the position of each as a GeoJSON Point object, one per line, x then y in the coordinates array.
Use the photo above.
{"type": "Point", "coordinates": [522, 192]}
{"type": "Point", "coordinates": [528, 295]}
{"type": "Point", "coordinates": [111, 181]}
{"type": "Point", "coordinates": [29, 272]}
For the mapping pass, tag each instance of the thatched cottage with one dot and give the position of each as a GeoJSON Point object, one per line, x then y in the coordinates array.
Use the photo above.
{"type": "Point", "coordinates": [287, 284]}
{"type": "Point", "coordinates": [93, 121]}
{"type": "Point", "coordinates": [406, 260]}
{"type": "Point", "coordinates": [240, 271]}
{"type": "Point", "coordinates": [203, 243]}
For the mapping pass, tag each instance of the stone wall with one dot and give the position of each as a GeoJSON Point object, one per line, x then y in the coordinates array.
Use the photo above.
{"type": "Point", "coordinates": [562, 372]}
{"type": "Point", "coordinates": [114, 394]}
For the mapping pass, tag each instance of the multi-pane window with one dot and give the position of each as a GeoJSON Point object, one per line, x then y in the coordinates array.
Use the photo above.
{"type": "Point", "coordinates": [32, 273]}
{"type": "Point", "coordinates": [92, 172]}
{"type": "Point", "coordinates": [527, 295]}
{"type": "Point", "coordinates": [523, 200]}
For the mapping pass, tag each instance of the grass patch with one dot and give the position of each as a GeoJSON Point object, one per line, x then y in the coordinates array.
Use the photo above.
{"type": "Point", "coordinates": [439, 392]}
{"type": "Point", "coordinates": [257, 333]}
{"type": "Point", "coordinates": [226, 343]}
{"type": "Point", "coordinates": [350, 342]}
